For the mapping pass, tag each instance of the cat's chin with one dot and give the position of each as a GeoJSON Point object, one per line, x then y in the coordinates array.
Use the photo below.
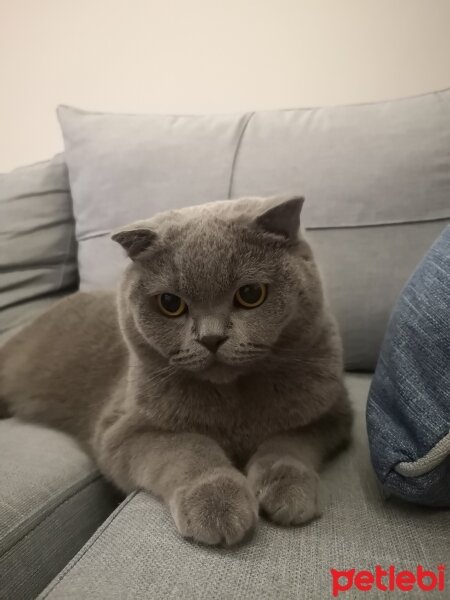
{"type": "Point", "coordinates": [219, 374]}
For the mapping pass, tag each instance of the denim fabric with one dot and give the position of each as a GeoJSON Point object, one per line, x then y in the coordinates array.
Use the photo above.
{"type": "Point", "coordinates": [408, 411]}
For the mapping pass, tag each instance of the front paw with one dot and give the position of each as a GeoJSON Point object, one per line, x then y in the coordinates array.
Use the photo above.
{"type": "Point", "coordinates": [219, 507]}
{"type": "Point", "coordinates": [287, 490]}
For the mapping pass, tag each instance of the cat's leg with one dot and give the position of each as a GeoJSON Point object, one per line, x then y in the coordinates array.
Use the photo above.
{"type": "Point", "coordinates": [283, 472]}
{"type": "Point", "coordinates": [210, 500]}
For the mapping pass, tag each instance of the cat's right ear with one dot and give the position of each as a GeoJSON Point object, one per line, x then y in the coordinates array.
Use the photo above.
{"type": "Point", "coordinates": [135, 241]}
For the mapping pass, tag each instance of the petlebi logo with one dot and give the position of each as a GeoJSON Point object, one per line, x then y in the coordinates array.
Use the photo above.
{"type": "Point", "coordinates": [388, 579]}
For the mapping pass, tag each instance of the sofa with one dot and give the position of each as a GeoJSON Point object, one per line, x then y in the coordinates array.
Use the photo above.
{"type": "Point", "coordinates": [377, 183]}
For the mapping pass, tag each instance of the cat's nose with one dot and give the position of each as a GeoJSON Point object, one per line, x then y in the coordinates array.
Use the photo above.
{"type": "Point", "coordinates": [212, 342]}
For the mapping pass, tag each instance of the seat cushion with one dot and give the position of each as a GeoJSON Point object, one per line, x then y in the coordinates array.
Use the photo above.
{"type": "Point", "coordinates": [139, 554]}
{"type": "Point", "coordinates": [376, 178]}
{"type": "Point", "coordinates": [51, 500]}
{"type": "Point", "coordinates": [38, 261]}
{"type": "Point", "coordinates": [408, 413]}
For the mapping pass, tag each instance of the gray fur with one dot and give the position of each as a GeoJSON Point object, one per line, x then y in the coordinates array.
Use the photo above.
{"type": "Point", "coordinates": [216, 436]}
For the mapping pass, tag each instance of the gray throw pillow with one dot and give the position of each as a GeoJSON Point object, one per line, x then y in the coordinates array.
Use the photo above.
{"type": "Point", "coordinates": [37, 242]}
{"type": "Point", "coordinates": [376, 179]}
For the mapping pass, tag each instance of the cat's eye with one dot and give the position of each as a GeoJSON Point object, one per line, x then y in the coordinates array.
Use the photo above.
{"type": "Point", "coordinates": [251, 295]}
{"type": "Point", "coordinates": [171, 305]}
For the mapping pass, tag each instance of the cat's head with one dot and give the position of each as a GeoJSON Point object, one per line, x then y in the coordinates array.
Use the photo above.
{"type": "Point", "coordinates": [214, 288]}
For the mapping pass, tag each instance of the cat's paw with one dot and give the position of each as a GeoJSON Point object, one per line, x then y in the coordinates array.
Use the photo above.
{"type": "Point", "coordinates": [218, 508]}
{"type": "Point", "coordinates": [287, 491]}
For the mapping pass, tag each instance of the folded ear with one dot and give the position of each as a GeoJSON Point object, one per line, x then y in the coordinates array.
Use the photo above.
{"type": "Point", "coordinates": [135, 241]}
{"type": "Point", "coordinates": [283, 219]}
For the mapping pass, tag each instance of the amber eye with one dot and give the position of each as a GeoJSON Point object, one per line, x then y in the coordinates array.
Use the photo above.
{"type": "Point", "coordinates": [251, 295]}
{"type": "Point", "coordinates": [171, 305]}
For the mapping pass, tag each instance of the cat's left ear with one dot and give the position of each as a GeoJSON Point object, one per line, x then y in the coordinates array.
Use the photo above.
{"type": "Point", "coordinates": [135, 241]}
{"type": "Point", "coordinates": [283, 219]}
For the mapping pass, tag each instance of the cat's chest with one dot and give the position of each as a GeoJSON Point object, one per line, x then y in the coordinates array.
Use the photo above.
{"type": "Point", "coordinates": [240, 418]}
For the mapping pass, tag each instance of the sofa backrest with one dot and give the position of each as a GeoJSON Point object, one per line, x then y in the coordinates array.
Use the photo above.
{"type": "Point", "coordinates": [376, 178]}
{"type": "Point", "coordinates": [38, 261]}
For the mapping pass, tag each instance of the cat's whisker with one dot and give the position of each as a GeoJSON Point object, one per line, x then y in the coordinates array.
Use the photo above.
{"type": "Point", "coordinates": [161, 375]}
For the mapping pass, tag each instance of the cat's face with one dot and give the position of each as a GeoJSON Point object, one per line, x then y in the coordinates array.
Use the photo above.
{"type": "Point", "coordinates": [212, 295]}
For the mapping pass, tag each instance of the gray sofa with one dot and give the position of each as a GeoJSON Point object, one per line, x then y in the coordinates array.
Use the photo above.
{"type": "Point", "coordinates": [377, 179]}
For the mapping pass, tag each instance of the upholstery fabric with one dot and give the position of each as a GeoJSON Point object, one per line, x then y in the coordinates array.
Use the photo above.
{"type": "Point", "coordinates": [379, 172]}
{"type": "Point", "coordinates": [138, 554]}
{"type": "Point", "coordinates": [37, 241]}
{"type": "Point", "coordinates": [408, 413]}
{"type": "Point", "coordinates": [52, 499]}
{"type": "Point", "coordinates": [123, 168]}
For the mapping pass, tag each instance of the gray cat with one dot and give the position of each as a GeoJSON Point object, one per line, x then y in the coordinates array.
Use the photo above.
{"type": "Point", "coordinates": [215, 379]}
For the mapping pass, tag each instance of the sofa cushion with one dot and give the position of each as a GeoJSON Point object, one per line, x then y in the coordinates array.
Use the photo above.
{"type": "Point", "coordinates": [37, 241]}
{"type": "Point", "coordinates": [138, 166]}
{"type": "Point", "coordinates": [376, 179]}
{"type": "Point", "coordinates": [408, 413]}
{"type": "Point", "coordinates": [52, 499]}
{"type": "Point", "coordinates": [139, 554]}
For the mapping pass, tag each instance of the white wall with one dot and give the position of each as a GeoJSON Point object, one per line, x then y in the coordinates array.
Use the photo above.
{"type": "Point", "coordinates": [207, 55]}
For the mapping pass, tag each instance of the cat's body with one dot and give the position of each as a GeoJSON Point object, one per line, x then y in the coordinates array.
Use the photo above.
{"type": "Point", "coordinates": [82, 336]}
{"type": "Point", "coordinates": [176, 405]}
